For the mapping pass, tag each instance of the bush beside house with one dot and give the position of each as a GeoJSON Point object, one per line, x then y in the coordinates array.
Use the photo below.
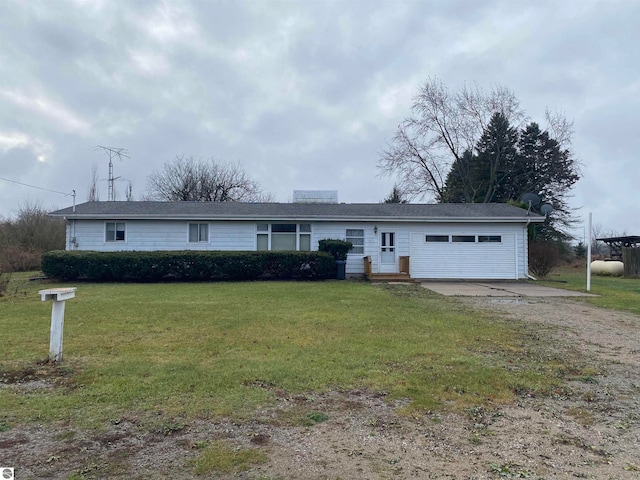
{"type": "Point", "coordinates": [337, 248]}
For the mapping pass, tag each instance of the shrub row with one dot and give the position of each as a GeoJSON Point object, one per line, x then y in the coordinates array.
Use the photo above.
{"type": "Point", "coordinates": [186, 266]}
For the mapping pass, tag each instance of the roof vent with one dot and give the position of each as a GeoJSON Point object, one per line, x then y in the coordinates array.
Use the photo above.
{"type": "Point", "coordinates": [315, 196]}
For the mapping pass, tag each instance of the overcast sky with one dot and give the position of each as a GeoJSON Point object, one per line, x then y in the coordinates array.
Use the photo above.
{"type": "Point", "coordinates": [304, 94]}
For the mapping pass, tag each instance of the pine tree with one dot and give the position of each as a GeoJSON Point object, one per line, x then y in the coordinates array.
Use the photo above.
{"type": "Point", "coordinates": [396, 196]}
{"type": "Point", "coordinates": [496, 154]}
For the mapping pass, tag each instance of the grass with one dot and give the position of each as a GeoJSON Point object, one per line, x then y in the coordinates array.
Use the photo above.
{"type": "Point", "coordinates": [615, 293]}
{"type": "Point", "coordinates": [166, 353]}
{"type": "Point", "coordinates": [221, 456]}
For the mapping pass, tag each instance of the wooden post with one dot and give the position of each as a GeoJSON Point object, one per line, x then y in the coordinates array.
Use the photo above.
{"type": "Point", "coordinates": [631, 260]}
{"type": "Point", "coordinates": [59, 296]}
{"type": "Point", "coordinates": [367, 266]}
{"type": "Point", "coordinates": [404, 265]}
{"type": "Point", "coordinates": [57, 327]}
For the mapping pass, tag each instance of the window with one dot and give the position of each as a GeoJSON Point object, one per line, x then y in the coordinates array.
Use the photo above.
{"type": "Point", "coordinates": [114, 232]}
{"type": "Point", "coordinates": [356, 237]}
{"type": "Point", "coordinates": [283, 228]}
{"type": "Point", "coordinates": [198, 232]}
{"type": "Point", "coordinates": [283, 236]}
{"type": "Point", "coordinates": [263, 242]}
{"type": "Point", "coordinates": [489, 238]}
{"type": "Point", "coordinates": [263, 236]}
{"type": "Point", "coordinates": [437, 238]}
{"type": "Point", "coordinates": [305, 237]}
{"type": "Point", "coordinates": [463, 238]}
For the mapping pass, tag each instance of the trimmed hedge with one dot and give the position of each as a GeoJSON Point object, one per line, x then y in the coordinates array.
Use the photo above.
{"type": "Point", "coordinates": [185, 266]}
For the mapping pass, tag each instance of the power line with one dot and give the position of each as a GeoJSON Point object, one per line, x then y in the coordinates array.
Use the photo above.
{"type": "Point", "coordinates": [33, 186]}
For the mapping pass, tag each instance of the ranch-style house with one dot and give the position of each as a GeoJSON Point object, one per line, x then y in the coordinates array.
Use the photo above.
{"type": "Point", "coordinates": [427, 241]}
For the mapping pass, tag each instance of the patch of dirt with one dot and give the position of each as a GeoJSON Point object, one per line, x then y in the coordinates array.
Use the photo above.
{"type": "Point", "coordinates": [590, 428]}
{"type": "Point", "coordinates": [42, 374]}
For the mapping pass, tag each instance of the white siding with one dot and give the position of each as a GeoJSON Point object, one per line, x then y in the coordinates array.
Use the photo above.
{"type": "Point", "coordinates": [239, 236]}
{"type": "Point", "coordinates": [355, 262]}
{"type": "Point", "coordinates": [505, 260]}
{"type": "Point", "coordinates": [166, 235]}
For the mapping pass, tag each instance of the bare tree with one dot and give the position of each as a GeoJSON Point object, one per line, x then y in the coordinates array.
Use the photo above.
{"type": "Point", "coordinates": [560, 129]}
{"type": "Point", "coordinates": [25, 238]}
{"type": "Point", "coordinates": [442, 127]}
{"type": "Point", "coordinates": [188, 179]}
{"type": "Point", "coordinates": [93, 195]}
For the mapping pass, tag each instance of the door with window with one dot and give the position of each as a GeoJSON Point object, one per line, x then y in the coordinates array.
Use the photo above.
{"type": "Point", "coordinates": [388, 252]}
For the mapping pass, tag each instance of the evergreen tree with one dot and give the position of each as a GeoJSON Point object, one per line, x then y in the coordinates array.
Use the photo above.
{"type": "Point", "coordinates": [457, 187]}
{"type": "Point", "coordinates": [496, 154]}
{"type": "Point", "coordinates": [396, 196]}
{"type": "Point", "coordinates": [508, 164]}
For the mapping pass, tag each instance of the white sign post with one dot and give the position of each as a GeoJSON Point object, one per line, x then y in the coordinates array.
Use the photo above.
{"type": "Point", "coordinates": [589, 257]}
{"type": "Point", "coordinates": [59, 296]}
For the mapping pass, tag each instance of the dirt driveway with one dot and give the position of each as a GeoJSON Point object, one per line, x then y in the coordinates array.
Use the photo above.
{"type": "Point", "coordinates": [589, 429]}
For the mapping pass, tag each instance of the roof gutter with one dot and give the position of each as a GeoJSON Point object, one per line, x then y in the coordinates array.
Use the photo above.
{"type": "Point", "coordinates": [298, 218]}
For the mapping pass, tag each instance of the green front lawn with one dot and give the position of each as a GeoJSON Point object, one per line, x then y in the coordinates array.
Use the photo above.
{"type": "Point", "coordinates": [223, 349]}
{"type": "Point", "coordinates": [616, 293]}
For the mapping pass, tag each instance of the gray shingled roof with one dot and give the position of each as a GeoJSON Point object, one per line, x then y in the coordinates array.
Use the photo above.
{"type": "Point", "coordinates": [409, 212]}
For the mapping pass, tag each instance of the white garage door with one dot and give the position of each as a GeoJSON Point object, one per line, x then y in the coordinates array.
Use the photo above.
{"type": "Point", "coordinates": [463, 256]}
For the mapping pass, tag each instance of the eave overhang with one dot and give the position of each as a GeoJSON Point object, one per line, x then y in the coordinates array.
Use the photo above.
{"type": "Point", "coordinates": [301, 218]}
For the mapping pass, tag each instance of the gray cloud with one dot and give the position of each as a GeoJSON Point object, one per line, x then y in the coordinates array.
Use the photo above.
{"type": "Point", "coordinates": [303, 94]}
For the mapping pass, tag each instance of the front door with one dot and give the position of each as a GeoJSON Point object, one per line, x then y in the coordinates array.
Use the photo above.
{"type": "Point", "coordinates": [388, 252]}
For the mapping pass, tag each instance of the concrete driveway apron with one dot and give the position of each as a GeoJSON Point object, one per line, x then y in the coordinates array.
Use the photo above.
{"type": "Point", "coordinates": [498, 289]}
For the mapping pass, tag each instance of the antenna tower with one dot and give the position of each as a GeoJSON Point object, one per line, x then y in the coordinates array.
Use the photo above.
{"type": "Point", "coordinates": [112, 152]}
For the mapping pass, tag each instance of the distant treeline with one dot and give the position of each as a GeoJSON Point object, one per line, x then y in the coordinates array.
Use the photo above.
{"type": "Point", "coordinates": [24, 239]}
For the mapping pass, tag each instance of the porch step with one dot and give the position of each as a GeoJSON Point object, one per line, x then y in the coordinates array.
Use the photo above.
{"type": "Point", "coordinates": [389, 277]}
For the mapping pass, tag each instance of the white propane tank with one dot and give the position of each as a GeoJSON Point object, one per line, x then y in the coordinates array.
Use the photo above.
{"type": "Point", "coordinates": [597, 267]}
{"type": "Point", "coordinates": [613, 268]}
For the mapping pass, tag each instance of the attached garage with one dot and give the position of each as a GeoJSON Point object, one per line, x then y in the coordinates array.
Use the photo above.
{"type": "Point", "coordinates": [466, 254]}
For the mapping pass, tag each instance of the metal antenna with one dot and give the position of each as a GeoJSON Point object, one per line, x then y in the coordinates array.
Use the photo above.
{"type": "Point", "coordinates": [112, 152]}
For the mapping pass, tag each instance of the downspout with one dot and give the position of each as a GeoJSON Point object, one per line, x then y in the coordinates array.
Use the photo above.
{"type": "Point", "coordinates": [526, 230]}
{"type": "Point", "coordinates": [515, 245]}
{"type": "Point", "coordinates": [73, 225]}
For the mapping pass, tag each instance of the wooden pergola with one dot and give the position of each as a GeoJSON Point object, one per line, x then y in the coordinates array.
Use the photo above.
{"type": "Point", "coordinates": [616, 244]}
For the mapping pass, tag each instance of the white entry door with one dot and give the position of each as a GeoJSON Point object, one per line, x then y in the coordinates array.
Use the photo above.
{"type": "Point", "coordinates": [388, 252]}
